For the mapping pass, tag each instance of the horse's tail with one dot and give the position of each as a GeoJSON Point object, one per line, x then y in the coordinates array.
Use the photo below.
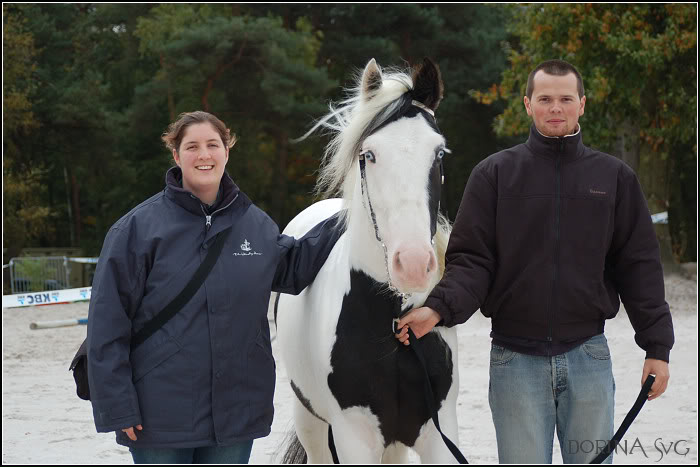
{"type": "Point", "coordinates": [295, 453]}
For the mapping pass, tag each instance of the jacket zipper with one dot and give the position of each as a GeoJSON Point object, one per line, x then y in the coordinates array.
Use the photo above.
{"type": "Point", "coordinates": [207, 217]}
{"type": "Point", "coordinates": [557, 216]}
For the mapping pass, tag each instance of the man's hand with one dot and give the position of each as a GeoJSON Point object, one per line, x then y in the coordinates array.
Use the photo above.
{"type": "Point", "coordinates": [420, 320]}
{"type": "Point", "coordinates": [130, 432]}
{"type": "Point", "coordinates": [658, 368]}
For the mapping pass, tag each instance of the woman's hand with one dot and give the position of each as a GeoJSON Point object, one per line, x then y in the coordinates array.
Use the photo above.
{"type": "Point", "coordinates": [130, 432]}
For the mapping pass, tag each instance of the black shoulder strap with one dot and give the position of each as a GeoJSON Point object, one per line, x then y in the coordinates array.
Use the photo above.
{"type": "Point", "coordinates": [186, 295]}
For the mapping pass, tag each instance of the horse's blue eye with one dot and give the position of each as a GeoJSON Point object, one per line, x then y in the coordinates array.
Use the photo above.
{"type": "Point", "coordinates": [369, 156]}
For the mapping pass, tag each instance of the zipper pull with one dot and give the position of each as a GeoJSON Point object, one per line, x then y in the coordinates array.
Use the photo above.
{"type": "Point", "coordinates": [208, 222]}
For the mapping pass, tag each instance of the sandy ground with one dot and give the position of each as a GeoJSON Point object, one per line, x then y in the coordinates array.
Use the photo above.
{"type": "Point", "coordinates": [43, 421]}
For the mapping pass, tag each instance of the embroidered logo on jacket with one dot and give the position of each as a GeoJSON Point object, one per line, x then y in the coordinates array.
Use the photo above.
{"type": "Point", "coordinates": [597, 192]}
{"type": "Point", "coordinates": [245, 247]}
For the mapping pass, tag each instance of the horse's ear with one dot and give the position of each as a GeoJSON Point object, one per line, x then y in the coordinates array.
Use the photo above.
{"type": "Point", "coordinates": [427, 84]}
{"type": "Point", "coordinates": [371, 80]}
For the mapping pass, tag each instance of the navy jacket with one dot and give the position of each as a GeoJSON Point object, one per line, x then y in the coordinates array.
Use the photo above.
{"type": "Point", "coordinates": [549, 237]}
{"type": "Point", "coordinates": [206, 377]}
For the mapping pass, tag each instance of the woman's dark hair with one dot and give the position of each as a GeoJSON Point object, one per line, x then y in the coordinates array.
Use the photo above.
{"type": "Point", "coordinates": [176, 130]}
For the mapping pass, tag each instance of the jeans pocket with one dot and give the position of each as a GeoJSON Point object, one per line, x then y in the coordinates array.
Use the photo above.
{"type": "Point", "coordinates": [597, 348]}
{"type": "Point", "coordinates": [500, 355]}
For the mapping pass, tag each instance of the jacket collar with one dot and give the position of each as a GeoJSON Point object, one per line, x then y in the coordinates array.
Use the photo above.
{"type": "Point", "coordinates": [184, 198]}
{"type": "Point", "coordinates": [566, 147]}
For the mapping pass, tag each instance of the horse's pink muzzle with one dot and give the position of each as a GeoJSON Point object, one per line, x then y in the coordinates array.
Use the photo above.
{"type": "Point", "coordinates": [412, 268]}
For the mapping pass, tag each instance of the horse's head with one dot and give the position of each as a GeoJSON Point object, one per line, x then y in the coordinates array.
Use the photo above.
{"type": "Point", "coordinates": [386, 161]}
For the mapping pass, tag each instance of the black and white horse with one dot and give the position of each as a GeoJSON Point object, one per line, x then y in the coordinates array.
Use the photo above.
{"type": "Point", "coordinates": [345, 365]}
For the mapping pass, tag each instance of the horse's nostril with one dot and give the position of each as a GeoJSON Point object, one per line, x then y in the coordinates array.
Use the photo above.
{"type": "Point", "coordinates": [397, 261]}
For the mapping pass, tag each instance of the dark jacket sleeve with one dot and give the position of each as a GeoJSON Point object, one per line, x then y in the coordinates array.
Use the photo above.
{"type": "Point", "coordinates": [116, 287]}
{"type": "Point", "coordinates": [635, 266]}
{"type": "Point", "coordinates": [470, 257]}
{"type": "Point", "coordinates": [301, 259]}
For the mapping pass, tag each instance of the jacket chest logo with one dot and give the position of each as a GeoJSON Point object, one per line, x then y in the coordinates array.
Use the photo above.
{"type": "Point", "coordinates": [597, 192]}
{"type": "Point", "coordinates": [247, 250]}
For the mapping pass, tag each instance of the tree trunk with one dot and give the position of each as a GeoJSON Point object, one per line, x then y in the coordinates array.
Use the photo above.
{"type": "Point", "coordinates": [171, 99]}
{"type": "Point", "coordinates": [682, 213]}
{"type": "Point", "coordinates": [628, 144]}
{"type": "Point", "coordinates": [217, 74]}
{"type": "Point", "coordinates": [280, 198]}
{"type": "Point", "coordinates": [406, 47]}
{"type": "Point", "coordinates": [69, 206]}
{"type": "Point", "coordinates": [653, 175]}
{"type": "Point", "coordinates": [75, 189]}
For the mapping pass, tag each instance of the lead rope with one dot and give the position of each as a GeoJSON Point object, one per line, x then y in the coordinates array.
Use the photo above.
{"type": "Point", "coordinates": [631, 415]}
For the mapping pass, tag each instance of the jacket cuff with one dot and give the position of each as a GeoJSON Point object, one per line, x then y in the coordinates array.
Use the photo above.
{"type": "Point", "coordinates": [442, 309]}
{"type": "Point", "coordinates": [118, 426]}
{"type": "Point", "coordinates": [658, 352]}
{"type": "Point", "coordinates": [117, 417]}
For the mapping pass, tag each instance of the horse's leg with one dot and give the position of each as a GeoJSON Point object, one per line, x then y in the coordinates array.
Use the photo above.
{"type": "Point", "coordinates": [396, 453]}
{"type": "Point", "coordinates": [357, 437]}
{"type": "Point", "coordinates": [430, 446]}
{"type": "Point", "coordinates": [313, 434]}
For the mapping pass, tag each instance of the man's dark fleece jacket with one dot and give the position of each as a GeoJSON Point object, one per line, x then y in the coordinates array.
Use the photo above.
{"type": "Point", "coordinates": [550, 235]}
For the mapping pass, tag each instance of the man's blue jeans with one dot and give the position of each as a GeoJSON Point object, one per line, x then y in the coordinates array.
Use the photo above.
{"type": "Point", "coordinates": [234, 454]}
{"type": "Point", "coordinates": [531, 395]}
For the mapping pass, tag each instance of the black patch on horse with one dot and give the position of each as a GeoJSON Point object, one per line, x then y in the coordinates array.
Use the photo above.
{"type": "Point", "coordinates": [304, 401]}
{"type": "Point", "coordinates": [434, 194]}
{"type": "Point", "coordinates": [371, 368]}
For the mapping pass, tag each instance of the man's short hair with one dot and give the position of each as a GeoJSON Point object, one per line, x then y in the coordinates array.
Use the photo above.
{"type": "Point", "coordinates": [557, 68]}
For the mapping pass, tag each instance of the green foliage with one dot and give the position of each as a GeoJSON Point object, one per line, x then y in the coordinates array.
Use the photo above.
{"type": "Point", "coordinates": [31, 273]}
{"type": "Point", "coordinates": [26, 217]}
{"type": "Point", "coordinates": [19, 67]}
{"type": "Point", "coordinates": [101, 82]}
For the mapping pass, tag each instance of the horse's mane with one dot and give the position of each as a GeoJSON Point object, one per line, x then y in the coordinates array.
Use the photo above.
{"type": "Point", "coordinates": [350, 122]}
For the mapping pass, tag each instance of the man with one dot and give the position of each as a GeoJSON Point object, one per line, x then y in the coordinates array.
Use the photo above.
{"type": "Point", "coordinates": [549, 236]}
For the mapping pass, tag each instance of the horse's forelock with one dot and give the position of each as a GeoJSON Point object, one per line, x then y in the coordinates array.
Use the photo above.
{"type": "Point", "coordinates": [352, 121]}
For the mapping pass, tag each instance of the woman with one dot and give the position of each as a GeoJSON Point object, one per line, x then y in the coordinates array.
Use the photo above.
{"type": "Point", "coordinates": [198, 390]}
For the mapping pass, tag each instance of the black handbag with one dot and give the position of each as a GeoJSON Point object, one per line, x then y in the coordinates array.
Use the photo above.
{"type": "Point", "coordinates": [79, 365]}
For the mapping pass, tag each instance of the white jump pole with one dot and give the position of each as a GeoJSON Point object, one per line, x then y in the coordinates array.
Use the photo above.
{"type": "Point", "coordinates": [58, 323]}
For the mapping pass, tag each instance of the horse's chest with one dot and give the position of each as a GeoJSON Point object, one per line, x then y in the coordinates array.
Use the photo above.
{"type": "Point", "coordinates": [370, 368]}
